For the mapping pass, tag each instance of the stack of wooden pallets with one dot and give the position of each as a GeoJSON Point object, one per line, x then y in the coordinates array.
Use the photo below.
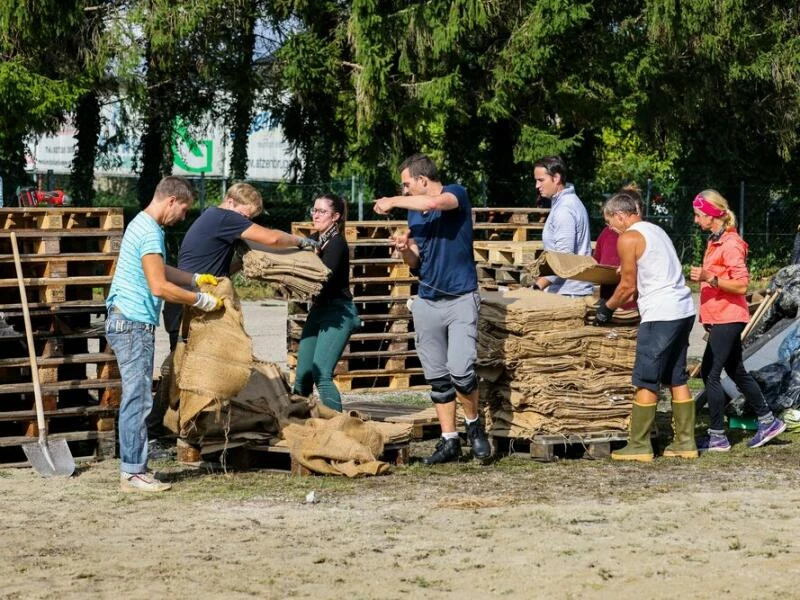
{"type": "Point", "coordinates": [506, 239]}
{"type": "Point", "coordinates": [68, 258]}
{"type": "Point", "coordinates": [382, 355]}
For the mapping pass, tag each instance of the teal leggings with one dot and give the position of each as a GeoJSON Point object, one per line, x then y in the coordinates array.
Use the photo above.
{"type": "Point", "coordinates": [325, 334]}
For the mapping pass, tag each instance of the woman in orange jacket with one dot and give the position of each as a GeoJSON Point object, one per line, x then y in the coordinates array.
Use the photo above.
{"type": "Point", "coordinates": [724, 312]}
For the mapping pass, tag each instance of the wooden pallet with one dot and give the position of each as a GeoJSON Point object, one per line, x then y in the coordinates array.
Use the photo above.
{"type": "Point", "coordinates": [52, 290]}
{"type": "Point", "coordinates": [550, 447]}
{"type": "Point", "coordinates": [377, 233]}
{"type": "Point", "coordinates": [68, 257]}
{"type": "Point", "coordinates": [379, 380]}
{"type": "Point", "coordinates": [425, 423]}
{"type": "Point", "coordinates": [55, 241]}
{"type": "Point", "coordinates": [515, 232]}
{"type": "Point", "coordinates": [393, 268]}
{"type": "Point", "coordinates": [368, 342]}
{"type": "Point", "coordinates": [519, 214]}
{"type": "Point", "coordinates": [503, 275]}
{"type": "Point", "coordinates": [506, 253]}
{"type": "Point", "coordinates": [66, 218]}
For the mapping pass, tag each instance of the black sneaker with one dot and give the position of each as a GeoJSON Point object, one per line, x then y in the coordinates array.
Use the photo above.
{"type": "Point", "coordinates": [447, 450]}
{"type": "Point", "coordinates": [481, 449]}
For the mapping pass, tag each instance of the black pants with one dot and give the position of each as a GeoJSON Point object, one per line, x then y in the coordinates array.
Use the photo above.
{"type": "Point", "coordinates": [173, 313]}
{"type": "Point", "coordinates": [724, 351]}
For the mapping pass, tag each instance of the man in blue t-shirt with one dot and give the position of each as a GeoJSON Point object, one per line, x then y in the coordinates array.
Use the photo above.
{"type": "Point", "coordinates": [141, 281]}
{"type": "Point", "coordinates": [209, 245]}
{"type": "Point", "coordinates": [438, 248]}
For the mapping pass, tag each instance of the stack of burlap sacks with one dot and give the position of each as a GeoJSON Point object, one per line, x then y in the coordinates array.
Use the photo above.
{"type": "Point", "coordinates": [293, 273]}
{"type": "Point", "coordinates": [220, 397]}
{"type": "Point", "coordinates": [547, 370]}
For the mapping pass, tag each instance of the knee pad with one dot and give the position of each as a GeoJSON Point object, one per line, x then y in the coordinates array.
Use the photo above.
{"type": "Point", "coordinates": [465, 384]}
{"type": "Point", "coordinates": [442, 391]}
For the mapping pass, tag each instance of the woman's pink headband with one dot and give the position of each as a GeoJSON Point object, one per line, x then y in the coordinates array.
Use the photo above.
{"type": "Point", "coordinates": [705, 207]}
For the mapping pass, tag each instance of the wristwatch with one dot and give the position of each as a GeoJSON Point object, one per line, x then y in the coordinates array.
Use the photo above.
{"type": "Point", "coordinates": [714, 281]}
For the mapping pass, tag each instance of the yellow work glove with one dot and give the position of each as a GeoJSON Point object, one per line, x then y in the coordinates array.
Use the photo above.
{"type": "Point", "coordinates": [199, 279]}
{"type": "Point", "coordinates": [207, 302]}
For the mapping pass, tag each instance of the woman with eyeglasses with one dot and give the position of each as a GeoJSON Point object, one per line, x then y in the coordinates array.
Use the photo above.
{"type": "Point", "coordinates": [724, 312]}
{"type": "Point", "coordinates": [333, 316]}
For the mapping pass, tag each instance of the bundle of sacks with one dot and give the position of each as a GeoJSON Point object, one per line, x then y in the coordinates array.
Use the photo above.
{"type": "Point", "coordinates": [296, 274]}
{"type": "Point", "coordinates": [547, 370]}
{"type": "Point", "coordinates": [220, 397]}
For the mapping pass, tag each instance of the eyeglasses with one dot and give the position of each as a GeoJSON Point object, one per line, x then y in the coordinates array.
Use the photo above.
{"type": "Point", "coordinates": [319, 211]}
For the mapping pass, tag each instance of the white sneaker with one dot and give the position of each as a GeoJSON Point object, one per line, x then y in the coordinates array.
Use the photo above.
{"type": "Point", "coordinates": [141, 482]}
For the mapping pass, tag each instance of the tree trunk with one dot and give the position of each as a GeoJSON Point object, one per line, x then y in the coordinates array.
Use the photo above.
{"type": "Point", "coordinates": [87, 123]}
{"type": "Point", "coordinates": [243, 86]}
{"type": "Point", "coordinates": [12, 167]}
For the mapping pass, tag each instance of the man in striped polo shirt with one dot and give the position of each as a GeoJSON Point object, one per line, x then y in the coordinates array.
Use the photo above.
{"type": "Point", "coordinates": [141, 281]}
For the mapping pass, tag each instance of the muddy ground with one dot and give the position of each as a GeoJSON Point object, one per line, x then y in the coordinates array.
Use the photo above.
{"type": "Point", "coordinates": [576, 528]}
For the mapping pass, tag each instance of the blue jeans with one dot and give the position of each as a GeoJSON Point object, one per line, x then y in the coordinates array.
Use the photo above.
{"type": "Point", "coordinates": [134, 345]}
{"type": "Point", "coordinates": [325, 334]}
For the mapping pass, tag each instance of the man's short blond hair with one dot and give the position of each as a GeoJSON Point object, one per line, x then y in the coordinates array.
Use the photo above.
{"type": "Point", "coordinates": [244, 193]}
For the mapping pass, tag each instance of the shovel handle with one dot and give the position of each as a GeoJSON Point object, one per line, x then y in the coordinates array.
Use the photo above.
{"type": "Point", "coordinates": [37, 387]}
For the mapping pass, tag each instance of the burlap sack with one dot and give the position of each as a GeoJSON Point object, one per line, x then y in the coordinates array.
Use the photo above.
{"type": "Point", "coordinates": [296, 274]}
{"type": "Point", "coordinates": [216, 362]}
{"type": "Point", "coordinates": [572, 266]}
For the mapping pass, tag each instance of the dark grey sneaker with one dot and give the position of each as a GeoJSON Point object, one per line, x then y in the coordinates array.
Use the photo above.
{"type": "Point", "coordinates": [481, 449]}
{"type": "Point", "coordinates": [447, 450]}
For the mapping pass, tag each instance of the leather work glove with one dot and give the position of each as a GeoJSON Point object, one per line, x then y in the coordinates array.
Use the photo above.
{"type": "Point", "coordinates": [306, 242]}
{"type": "Point", "coordinates": [199, 279]}
{"type": "Point", "coordinates": [207, 302]}
{"type": "Point", "coordinates": [603, 315]}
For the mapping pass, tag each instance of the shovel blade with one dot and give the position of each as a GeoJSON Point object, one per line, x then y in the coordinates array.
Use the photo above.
{"type": "Point", "coordinates": [51, 458]}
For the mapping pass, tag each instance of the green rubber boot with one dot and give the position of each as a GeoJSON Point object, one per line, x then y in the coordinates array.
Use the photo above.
{"type": "Point", "coordinates": [639, 447]}
{"type": "Point", "coordinates": [683, 444]}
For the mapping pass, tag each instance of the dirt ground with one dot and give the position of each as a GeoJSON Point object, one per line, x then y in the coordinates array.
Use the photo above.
{"type": "Point", "coordinates": [516, 528]}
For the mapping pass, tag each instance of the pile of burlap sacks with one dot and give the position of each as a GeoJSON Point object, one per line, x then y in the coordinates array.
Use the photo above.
{"type": "Point", "coordinates": [293, 273]}
{"type": "Point", "coordinates": [220, 397]}
{"type": "Point", "coordinates": [547, 370]}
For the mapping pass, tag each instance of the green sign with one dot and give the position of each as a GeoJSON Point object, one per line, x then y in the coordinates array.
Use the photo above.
{"type": "Point", "coordinates": [200, 152]}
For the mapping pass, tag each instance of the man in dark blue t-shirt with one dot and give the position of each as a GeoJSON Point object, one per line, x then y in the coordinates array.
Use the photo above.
{"type": "Point", "coordinates": [438, 248]}
{"type": "Point", "coordinates": [210, 243]}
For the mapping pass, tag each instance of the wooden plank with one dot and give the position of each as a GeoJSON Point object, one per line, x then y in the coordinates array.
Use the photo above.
{"type": "Point", "coordinates": [73, 384]}
{"type": "Point", "coordinates": [74, 359]}
{"type": "Point", "coordinates": [74, 256]}
{"type": "Point", "coordinates": [63, 308]}
{"type": "Point", "coordinates": [72, 436]}
{"type": "Point", "coordinates": [73, 411]}
{"type": "Point", "coordinates": [58, 281]}
{"type": "Point", "coordinates": [400, 280]}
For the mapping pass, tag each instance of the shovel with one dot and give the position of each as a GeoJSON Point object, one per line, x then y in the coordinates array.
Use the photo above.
{"type": "Point", "coordinates": [48, 457]}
